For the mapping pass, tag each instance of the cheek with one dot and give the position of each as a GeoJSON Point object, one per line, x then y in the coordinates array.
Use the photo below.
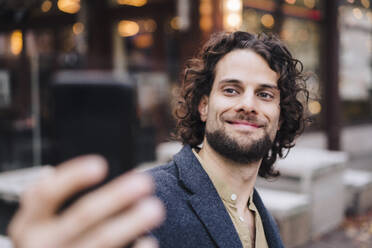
{"type": "Point", "coordinates": [273, 115]}
{"type": "Point", "coordinates": [215, 116]}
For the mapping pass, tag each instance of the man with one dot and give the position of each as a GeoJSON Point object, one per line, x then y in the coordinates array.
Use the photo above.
{"type": "Point", "coordinates": [239, 99]}
{"type": "Point", "coordinates": [239, 102]}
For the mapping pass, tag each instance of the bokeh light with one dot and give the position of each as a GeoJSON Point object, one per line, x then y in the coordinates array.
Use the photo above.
{"type": "Point", "coordinates": [314, 107]}
{"type": "Point", "coordinates": [78, 28]}
{"type": "Point", "coordinates": [135, 3]}
{"type": "Point", "coordinates": [291, 1]}
{"type": "Point", "coordinates": [69, 6]}
{"type": "Point", "coordinates": [232, 17]}
{"type": "Point", "coordinates": [205, 10]}
{"type": "Point", "coordinates": [366, 3]}
{"type": "Point", "coordinates": [205, 7]}
{"type": "Point", "coordinates": [175, 23]}
{"type": "Point", "coordinates": [16, 42]}
{"type": "Point", "coordinates": [143, 41]}
{"type": "Point", "coordinates": [233, 20]}
{"type": "Point", "coordinates": [309, 3]}
{"type": "Point", "coordinates": [128, 28]}
{"type": "Point", "coordinates": [267, 20]}
{"type": "Point", "coordinates": [234, 5]}
{"type": "Point", "coordinates": [46, 6]}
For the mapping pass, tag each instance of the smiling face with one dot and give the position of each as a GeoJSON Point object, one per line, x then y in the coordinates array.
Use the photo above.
{"type": "Point", "coordinates": [243, 106]}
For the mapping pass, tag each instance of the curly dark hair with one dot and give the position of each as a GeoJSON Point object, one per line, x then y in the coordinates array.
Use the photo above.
{"type": "Point", "coordinates": [198, 80]}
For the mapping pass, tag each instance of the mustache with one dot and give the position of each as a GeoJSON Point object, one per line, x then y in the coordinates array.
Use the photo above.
{"type": "Point", "coordinates": [244, 117]}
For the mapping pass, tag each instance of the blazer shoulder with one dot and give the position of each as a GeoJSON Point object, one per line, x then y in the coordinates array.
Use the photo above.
{"type": "Point", "coordinates": [166, 179]}
{"type": "Point", "coordinates": [163, 172]}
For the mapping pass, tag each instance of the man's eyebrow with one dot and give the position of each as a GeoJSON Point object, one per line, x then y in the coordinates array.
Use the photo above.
{"type": "Point", "coordinates": [236, 81]}
{"type": "Point", "coordinates": [270, 86]}
{"type": "Point", "coordinates": [230, 80]}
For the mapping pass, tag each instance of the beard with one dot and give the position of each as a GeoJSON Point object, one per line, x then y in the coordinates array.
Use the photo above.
{"type": "Point", "coordinates": [232, 150]}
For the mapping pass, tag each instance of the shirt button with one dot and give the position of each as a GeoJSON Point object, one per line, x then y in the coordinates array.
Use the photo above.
{"type": "Point", "coordinates": [233, 197]}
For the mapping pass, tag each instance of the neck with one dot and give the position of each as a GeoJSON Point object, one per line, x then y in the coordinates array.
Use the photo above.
{"type": "Point", "coordinates": [239, 177]}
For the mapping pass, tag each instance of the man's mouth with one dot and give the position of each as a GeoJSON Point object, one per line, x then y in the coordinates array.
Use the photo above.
{"type": "Point", "coordinates": [244, 123]}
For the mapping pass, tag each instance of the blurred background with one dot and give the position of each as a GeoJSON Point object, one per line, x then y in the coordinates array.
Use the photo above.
{"type": "Point", "coordinates": [150, 42]}
{"type": "Point", "coordinates": [145, 43]}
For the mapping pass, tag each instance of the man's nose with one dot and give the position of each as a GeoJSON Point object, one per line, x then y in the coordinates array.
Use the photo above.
{"type": "Point", "coordinates": [247, 103]}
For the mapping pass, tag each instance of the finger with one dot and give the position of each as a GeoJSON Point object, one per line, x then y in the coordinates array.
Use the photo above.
{"type": "Point", "coordinates": [39, 201]}
{"type": "Point", "coordinates": [18, 220]}
{"type": "Point", "coordinates": [35, 236]}
{"type": "Point", "coordinates": [44, 198]}
{"type": "Point", "coordinates": [103, 203]}
{"type": "Point", "coordinates": [124, 228]}
{"type": "Point", "coordinates": [146, 242]}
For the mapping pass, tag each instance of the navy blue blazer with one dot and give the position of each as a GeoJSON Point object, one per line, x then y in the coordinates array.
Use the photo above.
{"type": "Point", "coordinates": [196, 216]}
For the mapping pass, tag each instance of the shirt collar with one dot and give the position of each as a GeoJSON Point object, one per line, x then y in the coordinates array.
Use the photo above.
{"type": "Point", "coordinates": [226, 194]}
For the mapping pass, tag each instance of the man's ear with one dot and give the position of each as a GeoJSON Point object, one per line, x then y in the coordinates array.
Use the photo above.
{"type": "Point", "coordinates": [203, 108]}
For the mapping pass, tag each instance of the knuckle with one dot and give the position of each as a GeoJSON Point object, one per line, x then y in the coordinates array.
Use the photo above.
{"type": "Point", "coordinates": [40, 192]}
{"type": "Point", "coordinates": [28, 195]}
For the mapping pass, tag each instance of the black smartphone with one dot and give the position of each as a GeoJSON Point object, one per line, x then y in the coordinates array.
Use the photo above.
{"type": "Point", "coordinates": [94, 114]}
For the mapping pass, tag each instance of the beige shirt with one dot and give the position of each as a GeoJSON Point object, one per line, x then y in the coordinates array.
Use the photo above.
{"type": "Point", "coordinates": [229, 200]}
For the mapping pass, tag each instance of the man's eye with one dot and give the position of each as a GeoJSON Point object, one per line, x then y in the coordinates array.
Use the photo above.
{"type": "Point", "coordinates": [230, 91]}
{"type": "Point", "coordinates": [265, 95]}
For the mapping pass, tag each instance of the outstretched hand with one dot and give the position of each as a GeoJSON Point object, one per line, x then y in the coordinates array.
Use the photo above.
{"type": "Point", "coordinates": [111, 216]}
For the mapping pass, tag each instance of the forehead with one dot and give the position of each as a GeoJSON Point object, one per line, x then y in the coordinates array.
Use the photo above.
{"type": "Point", "coordinates": [246, 66]}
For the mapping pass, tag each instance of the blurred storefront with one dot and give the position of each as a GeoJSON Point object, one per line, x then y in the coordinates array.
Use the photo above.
{"type": "Point", "coordinates": [38, 38]}
{"type": "Point", "coordinates": [150, 40]}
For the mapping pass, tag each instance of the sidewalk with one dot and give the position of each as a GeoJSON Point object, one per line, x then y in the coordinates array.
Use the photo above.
{"type": "Point", "coordinates": [356, 231]}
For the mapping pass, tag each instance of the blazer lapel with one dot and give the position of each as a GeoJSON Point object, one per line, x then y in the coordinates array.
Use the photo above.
{"type": "Point", "coordinates": [205, 200]}
{"type": "Point", "coordinates": [271, 231]}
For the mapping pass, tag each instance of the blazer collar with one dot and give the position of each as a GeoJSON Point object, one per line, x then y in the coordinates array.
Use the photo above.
{"type": "Point", "coordinates": [208, 205]}
{"type": "Point", "coordinates": [271, 231]}
{"type": "Point", "coordinates": [205, 200]}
